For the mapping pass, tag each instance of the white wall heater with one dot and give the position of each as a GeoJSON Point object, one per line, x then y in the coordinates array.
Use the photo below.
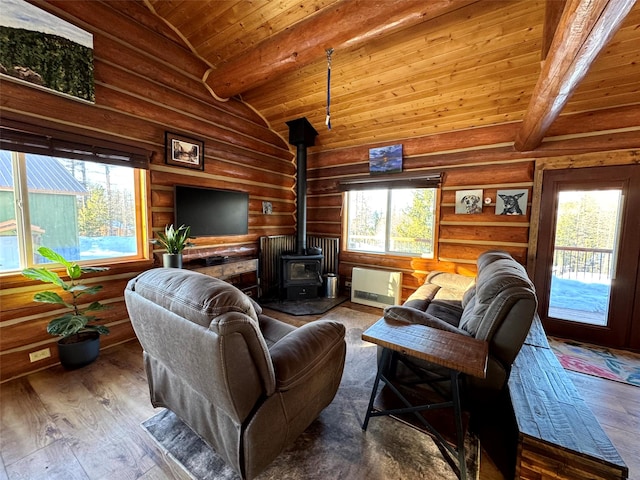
{"type": "Point", "coordinates": [377, 288]}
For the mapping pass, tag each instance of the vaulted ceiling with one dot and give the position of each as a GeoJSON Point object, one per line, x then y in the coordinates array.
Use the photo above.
{"type": "Point", "coordinates": [406, 68]}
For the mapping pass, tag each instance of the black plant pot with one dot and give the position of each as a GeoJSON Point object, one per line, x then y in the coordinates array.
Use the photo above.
{"type": "Point", "coordinates": [172, 260]}
{"type": "Point", "coordinates": [79, 350]}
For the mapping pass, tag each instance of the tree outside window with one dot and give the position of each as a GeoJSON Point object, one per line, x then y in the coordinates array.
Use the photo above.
{"type": "Point", "coordinates": [397, 221]}
{"type": "Point", "coordinates": [83, 210]}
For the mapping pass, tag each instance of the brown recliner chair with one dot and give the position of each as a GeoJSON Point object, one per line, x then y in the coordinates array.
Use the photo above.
{"type": "Point", "coordinates": [246, 383]}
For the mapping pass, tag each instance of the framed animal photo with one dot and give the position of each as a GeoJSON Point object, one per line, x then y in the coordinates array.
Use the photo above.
{"type": "Point", "coordinates": [469, 201]}
{"type": "Point", "coordinates": [512, 202]}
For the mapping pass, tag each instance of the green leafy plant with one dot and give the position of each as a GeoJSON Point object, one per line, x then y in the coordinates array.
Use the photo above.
{"type": "Point", "coordinates": [174, 240]}
{"type": "Point", "coordinates": [77, 320]}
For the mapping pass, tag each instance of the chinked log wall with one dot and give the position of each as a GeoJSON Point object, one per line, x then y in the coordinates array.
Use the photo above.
{"type": "Point", "coordinates": [481, 158]}
{"type": "Point", "coordinates": [146, 85]}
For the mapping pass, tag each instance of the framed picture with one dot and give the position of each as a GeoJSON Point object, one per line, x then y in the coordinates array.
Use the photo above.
{"type": "Point", "coordinates": [45, 51]}
{"type": "Point", "coordinates": [511, 202]}
{"type": "Point", "coordinates": [183, 151]}
{"type": "Point", "coordinates": [469, 201]}
{"type": "Point", "coordinates": [385, 159]}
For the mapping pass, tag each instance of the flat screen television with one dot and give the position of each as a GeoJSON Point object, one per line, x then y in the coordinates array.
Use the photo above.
{"type": "Point", "coordinates": [212, 212]}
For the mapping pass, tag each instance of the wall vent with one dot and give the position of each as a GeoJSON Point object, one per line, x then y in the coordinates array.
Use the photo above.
{"type": "Point", "coordinates": [376, 288]}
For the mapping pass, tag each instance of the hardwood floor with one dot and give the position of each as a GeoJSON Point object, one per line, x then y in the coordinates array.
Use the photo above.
{"type": "Point", "coordinates": [617, 407]}
{"type": "Point", "coordinates": [85, 424]}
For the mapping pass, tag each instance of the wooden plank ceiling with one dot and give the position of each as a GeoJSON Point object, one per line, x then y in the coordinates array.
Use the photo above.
{"type": "Point", "coordinates": [402, 68]}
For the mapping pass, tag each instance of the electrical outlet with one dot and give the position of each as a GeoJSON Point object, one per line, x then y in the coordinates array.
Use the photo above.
{"type": "Point", "coordinates": [39, 355]}
{"type": "Point", "coordinates": [347, 284]}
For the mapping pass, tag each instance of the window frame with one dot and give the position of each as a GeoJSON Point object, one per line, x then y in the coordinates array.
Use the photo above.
{"type": "Point", "coordinates": [21, 138]}
{"type": "Point", "coordinates": [389, 187]}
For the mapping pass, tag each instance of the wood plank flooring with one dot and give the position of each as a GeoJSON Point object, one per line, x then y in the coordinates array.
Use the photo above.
{"type": "Point", "coordinates": [85, 424]}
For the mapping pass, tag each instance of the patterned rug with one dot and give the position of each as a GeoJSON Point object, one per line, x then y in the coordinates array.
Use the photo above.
{"type": "Point", "coordinates": [619, 365]}
{"type": "Point", "coordinates": [334, 445]}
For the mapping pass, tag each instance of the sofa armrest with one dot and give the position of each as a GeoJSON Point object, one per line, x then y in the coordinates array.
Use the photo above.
{"type": "Point", "coordinates": [412, 315]}
{"type": "Point", "coordinates": [305, 350]}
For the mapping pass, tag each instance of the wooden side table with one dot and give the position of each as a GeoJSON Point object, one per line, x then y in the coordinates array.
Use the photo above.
{"type": "Point", "coordinates": [459, 354]}
{"type": "Point", "coordinates": [239, 271]}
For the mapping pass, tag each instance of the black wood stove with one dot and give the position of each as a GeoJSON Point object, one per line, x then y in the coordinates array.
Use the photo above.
{"type": "Point", "coordinates": [301, 271]}
{"type": "Point", "coordinates": [301, 275]}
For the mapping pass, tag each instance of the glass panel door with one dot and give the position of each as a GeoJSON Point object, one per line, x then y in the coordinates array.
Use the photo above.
{"type": "Point", "coordinates": [584, 255]}
{"type": "Point", "coordinates": [587, 269]}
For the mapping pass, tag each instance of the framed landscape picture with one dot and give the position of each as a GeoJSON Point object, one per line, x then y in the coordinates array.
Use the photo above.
{"type": "Point", "coordinates": [385, 159]}
{"type": "Point", "coordinates": [45, 51]}
{"type": "Point", "coordinates": [183, 151]}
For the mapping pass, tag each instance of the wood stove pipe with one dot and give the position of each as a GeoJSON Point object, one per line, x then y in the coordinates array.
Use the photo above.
{"type": "Point", "coordinates": [301, 199]}
{"type": "Point", "coordinates": [302, 135]}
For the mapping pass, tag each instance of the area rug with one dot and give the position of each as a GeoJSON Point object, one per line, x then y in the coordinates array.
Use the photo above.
{"type": "Point", "coordinates": [334, 445]}
{"type": "Point", "coordinates": [619, 365]}
{"type": "Point", "coordinates": [311, 306]}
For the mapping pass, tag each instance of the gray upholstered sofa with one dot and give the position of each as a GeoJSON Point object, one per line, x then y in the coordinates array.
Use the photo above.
{"type": "Point", "coordinates": [497, 306]}
{"type": "Point", "coordinates": [246, 383]}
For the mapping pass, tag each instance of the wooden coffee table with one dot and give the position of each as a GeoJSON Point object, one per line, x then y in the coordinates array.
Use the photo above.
{"type": "Point", "coordinates": [458, 354]}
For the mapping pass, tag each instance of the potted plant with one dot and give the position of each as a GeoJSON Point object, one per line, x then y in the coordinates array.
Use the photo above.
{"type": "Point", "coordinates": [80, 342]}
{"type": "Point", "coordinates": [174, 240]}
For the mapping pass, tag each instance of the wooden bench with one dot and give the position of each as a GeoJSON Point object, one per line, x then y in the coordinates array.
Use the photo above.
{"type": "Point", "coordinates": [558, 435]}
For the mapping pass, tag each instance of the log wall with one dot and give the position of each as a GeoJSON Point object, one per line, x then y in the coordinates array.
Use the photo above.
{"type": "Point", "coordinates": [481, 158]}
{"type": "Point", "coordinates": [146, 83]}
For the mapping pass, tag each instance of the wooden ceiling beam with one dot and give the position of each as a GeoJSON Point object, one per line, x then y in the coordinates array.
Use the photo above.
{"type": "Point", "coordinates": [552, 14]}
{"type": "Point", "coordinates": [347, 24]}
{"type": "Point", "coordinates": [584, 29]}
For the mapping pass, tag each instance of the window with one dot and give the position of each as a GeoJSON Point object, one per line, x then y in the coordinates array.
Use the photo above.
{"type": "Point", "coordinates": [84, 210]}
{"type": "Point", "coordinates": [398, 221]}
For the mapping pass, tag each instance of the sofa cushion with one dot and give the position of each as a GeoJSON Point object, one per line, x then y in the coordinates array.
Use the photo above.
{"type": "Point", "coordinates": [450, 296]}
{"type": "Point", "coordinates": [492, 280]}
{"type": "Point", "coordinates": [412, 315]}
{"type": "Point", "coordinates": [273, 330]}
{"type": "Point", "coordinates": [256, 306]}
{"type": "Point", "coordinates": [192, 295]}
{"type": "Point", "coordinates": [423, 295]}
{"type": "Point", "coordinates": [453, 288]}
{"type": "Point", "coordinates": [471, 317]}
{"type": "Point", "coordinates": [491, 256]}
{"type": "Point", "coordinates": [450, 312]}
{"type": "Point", "coordinates": [450, 281]}
{"type": "Point", "coordinates": [468, 295]}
